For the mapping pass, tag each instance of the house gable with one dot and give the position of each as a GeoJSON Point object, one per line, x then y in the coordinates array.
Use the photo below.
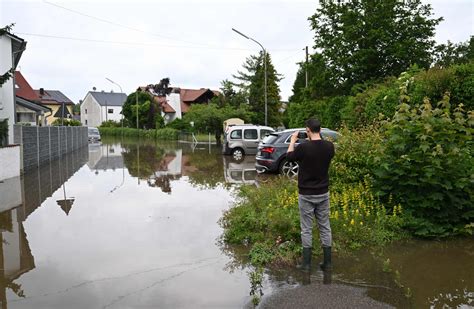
{"type": "Point", "coordinates": [91, 111]}
{"type": "Point", "coordinates": [195, 96]}
{"type": "Point", "coordinates": [23, 88]}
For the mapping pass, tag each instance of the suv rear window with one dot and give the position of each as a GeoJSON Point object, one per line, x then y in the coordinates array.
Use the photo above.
{"type": "Point", "coordinates": [270, 139]}
{"type": "Point", "coordinates": [264, 132]}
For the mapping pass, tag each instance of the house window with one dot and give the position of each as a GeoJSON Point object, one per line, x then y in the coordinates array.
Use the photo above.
{"type": "Point", "coordinates": [86, 121]}
{"type": "Point", "coordinates": [86, 110]}
{"type": "Point", "coordinates": [110, 111]}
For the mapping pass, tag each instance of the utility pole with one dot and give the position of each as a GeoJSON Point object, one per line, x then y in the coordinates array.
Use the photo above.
{"type": "Point", "coordinates": [306, 66]}
{"type": "Point", "coordinates": [136, 97]}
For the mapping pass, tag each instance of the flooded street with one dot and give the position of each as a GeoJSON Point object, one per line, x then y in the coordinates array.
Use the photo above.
{"type": "Point", "coordinates": [129, 225]}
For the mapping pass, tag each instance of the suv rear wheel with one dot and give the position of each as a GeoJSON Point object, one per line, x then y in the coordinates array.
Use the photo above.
{"type": "Point", "coordinates": [289, 168]}
{"type": "Point", "coordinates": [238, 154]}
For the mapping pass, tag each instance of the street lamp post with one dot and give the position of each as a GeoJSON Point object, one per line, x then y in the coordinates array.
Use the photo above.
{"type": "Point", "coordinates": [264, 66]}
{"type": "Point", "coordinates": [121, 91]}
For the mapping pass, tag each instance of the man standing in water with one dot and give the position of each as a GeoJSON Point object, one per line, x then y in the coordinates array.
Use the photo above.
{"type": "Point", "coordinates": [314, 158]}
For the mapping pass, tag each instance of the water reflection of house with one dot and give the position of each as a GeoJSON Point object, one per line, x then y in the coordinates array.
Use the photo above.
{"type": "Point", "coordinates": [170, 168]}
{"type": "Point", "coordinates": [15, 254]}
{"type": "Point", "coordinates": [105, 157]}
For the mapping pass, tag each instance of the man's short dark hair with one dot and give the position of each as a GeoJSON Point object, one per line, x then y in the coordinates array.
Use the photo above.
{"type": "Point", "coordinates": [313, 124]}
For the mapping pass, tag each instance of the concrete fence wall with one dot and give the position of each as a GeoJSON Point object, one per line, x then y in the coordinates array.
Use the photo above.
{"type": "Point", "coordinates": [44, 144]}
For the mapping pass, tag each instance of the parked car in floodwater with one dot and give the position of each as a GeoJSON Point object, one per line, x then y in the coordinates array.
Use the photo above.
{"type": "Point", "coordinates": [241, 140]}
{"type": "Point", "coordinates": [271, 155]}
{"type": "Point", "coordinates": [93, 134]}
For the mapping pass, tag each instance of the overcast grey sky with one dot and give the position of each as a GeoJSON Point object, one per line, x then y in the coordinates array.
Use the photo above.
{"type": "Point", "coordinates": [139, 42]}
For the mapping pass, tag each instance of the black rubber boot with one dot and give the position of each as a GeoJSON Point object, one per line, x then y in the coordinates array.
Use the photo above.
{"type": "Point", "coordinates": [306, 265]}
{"type": "Point", "coordinates": [326, 264]}
{"type": "Point", "coordinates": [327, 276]}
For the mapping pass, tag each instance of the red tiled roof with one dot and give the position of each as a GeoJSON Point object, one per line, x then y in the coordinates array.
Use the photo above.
{"type": "Point", "coordinates": [189, 96]}
{"type": "Point", "coordinates": [24, 89]}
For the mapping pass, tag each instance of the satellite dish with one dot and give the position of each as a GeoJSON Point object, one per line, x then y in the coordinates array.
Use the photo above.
{"type": "Point", "coordinates": [94, 88]}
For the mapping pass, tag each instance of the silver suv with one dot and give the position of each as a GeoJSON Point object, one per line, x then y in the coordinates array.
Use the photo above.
{"type": "Point", "coordinates": [241, 140]}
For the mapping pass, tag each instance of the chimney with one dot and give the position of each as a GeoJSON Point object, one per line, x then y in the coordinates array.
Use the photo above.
{"type": "Point", "coordinates": [41, 91]}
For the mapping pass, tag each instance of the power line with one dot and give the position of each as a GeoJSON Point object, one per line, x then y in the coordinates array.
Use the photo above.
{"type": "Point", "coordinates": [121, 42]}
{"type": "Point", "coordinates": [118, 25]}
{"type": "Point", "coordinates": [169, 37]}
{"type": "Point", "coordinates": [289, 57]}
{"type": "Point", "coordinates": [137, 43]}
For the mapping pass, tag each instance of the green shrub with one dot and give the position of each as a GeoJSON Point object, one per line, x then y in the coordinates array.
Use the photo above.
{"type": "Point", "coordinates": [356, 151]}
{"type": "Point", "coordinates": [67, 122]}
{"type": "Point", "coordinates": [432, 83]}
{"type": "Point", "coordinates": [463, 88]}
{"type": "Point", "coordinates": [427, 165]}
{"type": "Point", "coordinates": [179, 124]}
{"type": "Point", "coordinates": [160, 134]}
{"type": "Point", "coordinates": [111, 124]}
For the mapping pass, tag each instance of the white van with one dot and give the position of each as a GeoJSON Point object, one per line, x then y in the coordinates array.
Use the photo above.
{"type": "Point", "coordinates": [241, 140]}
{"type": "Point", "coordinates": [93, 134]}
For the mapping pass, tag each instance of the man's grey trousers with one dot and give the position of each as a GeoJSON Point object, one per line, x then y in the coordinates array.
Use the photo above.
{"type": "Point", "coordinates": [315, 206]}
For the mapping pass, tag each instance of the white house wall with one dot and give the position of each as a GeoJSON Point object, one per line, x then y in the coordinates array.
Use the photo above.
{"type": "Point", "coordinates": [93, 115]}
{"type": "Point", "coordinates": [115, 116]}
{"type": "Point", "coordinates": [10, 191]}
{"type": "Point", "coordinates": [174, 100]}
{"type": "Point", "coordinates": [7, 94]}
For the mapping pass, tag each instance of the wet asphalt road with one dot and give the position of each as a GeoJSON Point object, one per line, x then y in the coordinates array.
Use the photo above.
{"type": "Point", "coordinates": [318, 295]}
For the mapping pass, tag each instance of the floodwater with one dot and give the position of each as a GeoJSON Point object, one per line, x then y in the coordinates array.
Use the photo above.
{"type": "Point", "coordinates": [134, 225]}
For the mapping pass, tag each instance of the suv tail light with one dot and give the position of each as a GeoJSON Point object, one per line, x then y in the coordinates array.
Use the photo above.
{"type": "Point", "coordinates": [268, 149]}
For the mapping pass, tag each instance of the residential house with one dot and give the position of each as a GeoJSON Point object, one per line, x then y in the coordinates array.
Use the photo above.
{"type": "Point", "coordinates": [11, 49]}
{"type": "Point", "coordinates": [61, 106]}
{"type": "Point", "coordinates": [28, 112]}
{"type": "Point", "coordinates": [28, 108]}
{"type": "Point", "coordinates": [98, 107]}
{"type": "Point", "coordinates": [178, 102]}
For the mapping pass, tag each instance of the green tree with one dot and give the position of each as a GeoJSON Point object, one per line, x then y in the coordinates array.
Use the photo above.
{"type": "Point", "coordinates": [252, 81]}
{"type": "Point", "coordinates": [449, 54]}
{"type": "Point", "coordinates": [148, 111]}
{"type": "Point", "coordinates": [210, 117]}
{"type": "Point", "coordinates": [320, 83]}
{"type": "Point", "coordinates": [232, 97]}
{"type": "Point", "coordinates": [364, 40]}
